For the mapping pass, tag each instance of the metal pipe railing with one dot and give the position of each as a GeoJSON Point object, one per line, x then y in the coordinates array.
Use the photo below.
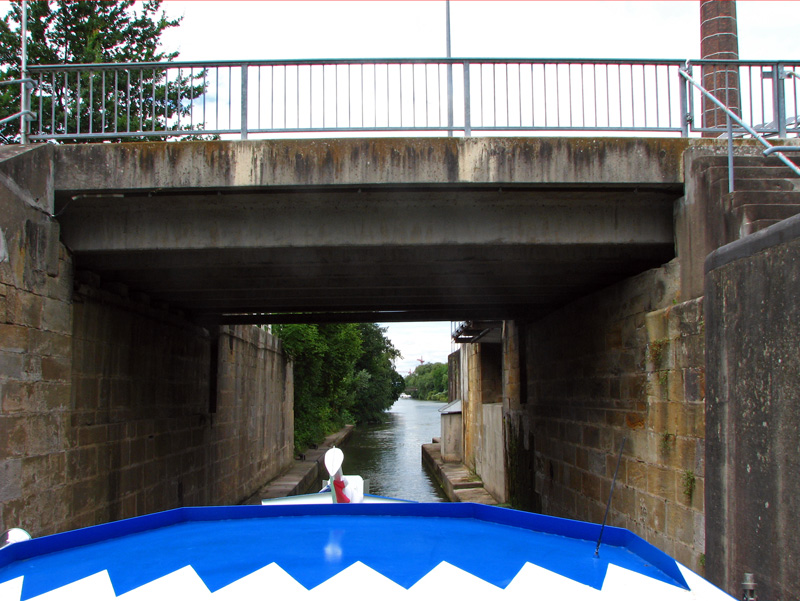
{"type": "Point", "coordinates": [761, 95]}
{"type": "Point", "coordinates": [357, 96]}
{"type": "Point", "coordinates": [731, 116]}
{"type": "Point", "coordinates": [774, 149]}
{"type": "Point", "coordinates": [24, 113]}
{"type": "Point", "coordinates": [465, 96]}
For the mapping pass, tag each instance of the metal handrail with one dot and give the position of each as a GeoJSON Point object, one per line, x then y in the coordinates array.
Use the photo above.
{"type": "Point", "coordinates": [17, 115]}
{"type": "Point", "coordinates": [761, 89]}
{"type": "Point", "coordinates": [312, 96]}
{"type": "Point", "coordinates": [29, 84]}
{"type": "Point", "coordinates": [731, 116]}
{"type": "Point", "coordinates": [357, 96]}
{"type": "Point", "coordinates": [18, 81]}
{"type": "Point", "coordinates": [774, 149]}
{"type": "Point", "coordinates": [363, 61]}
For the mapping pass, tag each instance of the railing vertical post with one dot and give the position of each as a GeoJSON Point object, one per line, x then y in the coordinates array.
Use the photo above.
{"type": "Point", "coordinates": [780, 98]}
{"type": "Point", "coordinates": [730, 153]}
{"type": "Point", "coordinates": [24, 97]}
{"type": "Point", "coordinates": [449, 73]}
{"type": "Point", "coordinates": [467, 122]}
{"type": "Point", "coordinates": [245, 69]}
{"type": "Point", "coordinates": [450, 99]}
{"type": "Point", "coordinates": [683, 91]}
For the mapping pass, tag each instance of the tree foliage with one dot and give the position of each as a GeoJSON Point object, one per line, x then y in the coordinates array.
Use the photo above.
{"type": "Point", "coordinates": [343, 373]}
{"type": "Point", "coordinates": [381, 385]}
{"type": "Point", "coordinates": [67, 32]}
{"type": "Point", "coordinates": [428, 382]}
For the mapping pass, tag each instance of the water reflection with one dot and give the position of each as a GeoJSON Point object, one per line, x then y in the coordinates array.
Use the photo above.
{"type": "Point", "coordinates": [390, 454]}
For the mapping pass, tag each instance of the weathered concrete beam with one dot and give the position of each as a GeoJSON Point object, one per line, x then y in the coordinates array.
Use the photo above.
{"type": "Point", "coordinates": [368, 217]}
{"type": "Point", "coordinates": [394, 161]}
{"type": "Point", "coordinates": [422, 225]}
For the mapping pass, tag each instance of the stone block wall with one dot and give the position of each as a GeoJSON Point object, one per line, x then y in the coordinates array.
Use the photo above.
{"type": "Point", "coordinates": [624, 362]}
{"type": "Point", "coordinates": [481, 364]}
{"type": "Point", "coordinates": [452, 424]}
{"type": "Point", "coordinates": [482, 408]}
{"type": "Point", "coordinates": [35, 391]}
{"type": "Point", "coordinates": [253, 427]}
{"type": "Point", "coordinates": [491, 461]}
{"type": "Point", "coordinates": [111, 406]}
{"type": "Point", "coordinates": [35, 347]}
{"type": "Point", "coordinates": [753, 413]}
{"type": "Point", "coordinates": [452, 437]}
{"type": "Point", "coordinates": [135, 424]}
{"type": "Point", "coordinates": [139, 415]}
{"type": "Point", "coordinates": [675, 428]}
{"type": "Point", "coordinates": [471, 403]}
{"type": "Point", "coordinates": [454, 376]}
{"type": "Point", "coordinates": [520, 470]}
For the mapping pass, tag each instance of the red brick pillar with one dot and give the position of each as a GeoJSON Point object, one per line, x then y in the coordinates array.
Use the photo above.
{"type": "Point", "coordinates": [719, 42]}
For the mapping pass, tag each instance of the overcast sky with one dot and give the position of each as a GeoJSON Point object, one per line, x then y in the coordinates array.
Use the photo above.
{"type": "Point", "coordinates": [362, 29]}
{"type": "Point", "coordinates": [232, 30]}
{"type": "Point", "coordinates": [381, 29]}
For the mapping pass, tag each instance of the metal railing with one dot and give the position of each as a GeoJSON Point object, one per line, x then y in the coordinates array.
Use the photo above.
{"type": "Point", "coordinates": [715, 106]}
{"type": "Point", "coordinates": [326, 97]}
{"type": "Point", "coordinates": [24, 112]}
{"type": "Point", "coordinates": [764, 94]}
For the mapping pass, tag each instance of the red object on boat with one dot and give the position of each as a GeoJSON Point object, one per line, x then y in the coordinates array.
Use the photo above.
{"type": "Point", "coordinates": [338, 486]}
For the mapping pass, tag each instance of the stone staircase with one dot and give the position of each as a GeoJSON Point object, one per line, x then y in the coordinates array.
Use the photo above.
{"type": "Point", "coordinates": [765, 193]}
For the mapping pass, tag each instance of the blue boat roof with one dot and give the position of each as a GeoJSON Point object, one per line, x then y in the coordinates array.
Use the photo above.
{"type": "Point", "coordinates": [312, 544]}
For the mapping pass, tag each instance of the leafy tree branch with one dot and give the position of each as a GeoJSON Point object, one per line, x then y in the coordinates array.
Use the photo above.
{"type": "Point", "coordinates": [343, 373]}
{"type": "Point", "coordinates": [107, 100]}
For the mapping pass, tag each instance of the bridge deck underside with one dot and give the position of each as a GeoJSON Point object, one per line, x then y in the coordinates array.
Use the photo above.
{"type": "Point", "coordinates": [372, 253]}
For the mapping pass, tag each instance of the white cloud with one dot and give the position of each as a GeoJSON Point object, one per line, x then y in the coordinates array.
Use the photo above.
{"type": "Point", "coordinates": [429, 341]}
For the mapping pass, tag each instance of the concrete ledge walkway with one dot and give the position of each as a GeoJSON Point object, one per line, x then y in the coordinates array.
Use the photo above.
{"type": "Point", "coordinates": [305, 475]}
{"type": "Point", "coordinates": [459, 484]}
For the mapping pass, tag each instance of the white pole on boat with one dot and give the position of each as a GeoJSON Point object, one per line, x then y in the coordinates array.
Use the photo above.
{"type": "Point", "coordinates": [333, 460]}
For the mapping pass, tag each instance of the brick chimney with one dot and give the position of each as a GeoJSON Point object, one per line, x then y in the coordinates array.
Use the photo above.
{"type": "Point", "coordinates": [719, 41]}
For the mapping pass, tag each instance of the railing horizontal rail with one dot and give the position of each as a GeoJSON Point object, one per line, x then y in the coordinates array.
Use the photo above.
{"type": "Point", "coordinates": [709, 61]}
{"type": "Point", "coordinates": [350, 61]}
{"type": "Point", "coordinates": [9, 82]}
{"type": "Point", "coordinates": [462, 96]}
{"type": "Point", "coordinates": [16, 115]}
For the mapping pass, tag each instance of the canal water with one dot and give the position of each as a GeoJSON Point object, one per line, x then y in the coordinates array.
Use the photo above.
{"type": "Point", "coordinates": [389, 455]}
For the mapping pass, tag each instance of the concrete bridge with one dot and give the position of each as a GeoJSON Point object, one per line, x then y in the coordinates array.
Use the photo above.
{"type": "Point", "coordinates": [127, 387]}
{"type": "Point", "coordinates": [368, 230]}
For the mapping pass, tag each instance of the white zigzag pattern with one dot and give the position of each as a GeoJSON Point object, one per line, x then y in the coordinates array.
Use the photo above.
{"type": "Point", "coordinates": [11, 589]}
{"type": "Point", "coordinates": [445, 580]}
